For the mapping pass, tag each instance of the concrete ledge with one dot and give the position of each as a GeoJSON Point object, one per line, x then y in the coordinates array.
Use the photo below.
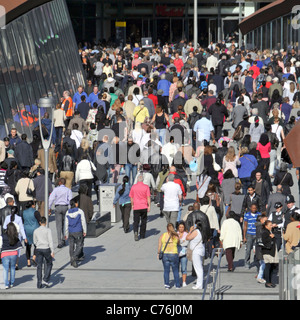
{"type": "Point", "coordinates": [98, 226]}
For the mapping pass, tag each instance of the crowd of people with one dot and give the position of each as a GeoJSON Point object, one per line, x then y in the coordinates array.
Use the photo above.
{"type": "Point", "coordinates": [169, 118]}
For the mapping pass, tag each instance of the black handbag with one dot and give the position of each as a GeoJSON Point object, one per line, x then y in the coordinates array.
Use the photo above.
{"type": "Point", "coordinates": [161, 254]}
{"type": "Point", "coordinates": [29, 192]}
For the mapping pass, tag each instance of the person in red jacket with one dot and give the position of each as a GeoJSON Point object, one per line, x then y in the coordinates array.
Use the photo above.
{"type": "Point", "coordinates": [178, 180]}
{"type": "Point", "coordinates": [256, 70]}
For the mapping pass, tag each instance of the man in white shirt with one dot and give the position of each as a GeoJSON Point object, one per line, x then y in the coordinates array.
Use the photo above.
{"type": "Point", "coordinates": [172, 197]}
{"type": "Point", "coordinates": [204, 129]}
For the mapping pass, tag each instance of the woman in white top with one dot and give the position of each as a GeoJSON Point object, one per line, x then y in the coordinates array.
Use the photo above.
{"type": "Point", "coordinates": [84, 173]}
{"type": "Point", "coordinates": [17, 220]}
{"type": "Point", "coordinates": [231, 238]}
{"type": "Point", "coordinates": [197, 245]}
{"type": "Point", "coordinates": [277, 128]}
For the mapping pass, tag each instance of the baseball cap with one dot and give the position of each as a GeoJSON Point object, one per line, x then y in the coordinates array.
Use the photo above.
{"type": "Point", "coordinates": [290, 199]}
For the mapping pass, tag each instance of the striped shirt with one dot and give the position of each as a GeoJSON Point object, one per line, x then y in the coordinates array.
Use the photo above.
{"type": "Point", "coordinates": [251, 219]}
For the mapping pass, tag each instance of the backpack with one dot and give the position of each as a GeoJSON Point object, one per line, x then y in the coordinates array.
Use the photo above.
{"type": "Point", "coordinates": [203, 85]}
{"type": "Point", "coordinates": [260, 78]}
{"type": "Point", "coordinates": [238, 133]}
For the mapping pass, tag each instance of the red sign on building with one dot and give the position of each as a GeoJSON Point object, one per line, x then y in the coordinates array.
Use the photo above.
{"type": "Point", "coordinates": [165, 11]}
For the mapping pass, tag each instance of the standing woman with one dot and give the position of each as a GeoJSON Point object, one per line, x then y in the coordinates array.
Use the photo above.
{"type": "Point", "coordinates": [231, 161]}
{"type": "Point", "coordinates": [11, 246]}
{"type": "Point", "coordinates": [160, 121]}
{"type": "Point", "coordinates": [168, 244]}
{"type": "Point", "coordinates": [264, 148]}
{"type": "Point", "coordinates": [122, 195]}
{"type": "Point", "coordinates": [218, 113]}
{"type": "Point", "coordinates": [270, 254]}
{"type": "Point", "coordinates": [231, 238]}
{"type": "Point", "coordinates": [17, 220]}
{"type": "Point", "coordinates": [31, 219]}
{"type": "Point", "coordinates": [278, 130]}
{"type": "Point", "coordinates": [256, 130]}
{"type": "Point", "coordinates": [198, 237]}
{"type": "Point", "coordinates": [182, 250]}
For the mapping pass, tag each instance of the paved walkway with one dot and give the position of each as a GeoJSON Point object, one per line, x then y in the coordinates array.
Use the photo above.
{"type": "Point", "coordinates": [117, 267]}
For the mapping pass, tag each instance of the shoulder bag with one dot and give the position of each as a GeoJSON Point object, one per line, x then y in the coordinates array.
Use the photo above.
{"type": "Point", "coordinates": [189, 251]}
{"type": "Point", "coordinates": [161, 254]}
{"type": "Point", "coordinates": [29, 192]}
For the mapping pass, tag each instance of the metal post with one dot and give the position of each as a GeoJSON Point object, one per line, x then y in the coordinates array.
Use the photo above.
{"type": "Point", "coordinates": [195, 23]}
{"type": "Point", "coordinates": [240, 19]}
{"type": "Point", "coordinates": [46, 103]}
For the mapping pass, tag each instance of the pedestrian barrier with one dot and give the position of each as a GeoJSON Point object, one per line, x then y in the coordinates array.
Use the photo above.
{"type": "Point", "coordinates": [213, 273]}
{"type": "Point", "coordinates": [289, 271]}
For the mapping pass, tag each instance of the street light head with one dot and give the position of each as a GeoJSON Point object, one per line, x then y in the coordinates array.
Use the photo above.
{"type": "Point", "coordinates": [46, 102]}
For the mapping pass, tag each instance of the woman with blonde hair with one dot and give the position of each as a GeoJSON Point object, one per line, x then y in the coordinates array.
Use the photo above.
{"type": "Point", "coordinates": [84, 148]}
{"type": "Point", "coordinates": [231, 161]}
{"type": "Point", "coordinates": [168, 248]}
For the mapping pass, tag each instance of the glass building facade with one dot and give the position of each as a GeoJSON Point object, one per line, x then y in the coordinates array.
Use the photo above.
{"type": "Point", "coordinates": [280, 33]}
{"type": "Point", "coordinates": [38, 58]}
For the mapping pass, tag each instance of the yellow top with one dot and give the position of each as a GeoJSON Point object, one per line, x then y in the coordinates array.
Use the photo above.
{"type": "Point", "coordinates": [172, 245]}
{"type": "Point", "coordinates": [140, 114]}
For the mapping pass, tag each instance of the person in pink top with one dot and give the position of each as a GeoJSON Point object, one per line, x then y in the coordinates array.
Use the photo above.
{"type": "Point", "coordinates": [264, 147]}
{"type": "Point", "coordinates": [141, 201]}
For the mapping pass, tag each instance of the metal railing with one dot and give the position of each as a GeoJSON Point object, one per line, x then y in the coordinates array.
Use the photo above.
{"type": "Point", "coordinates": [213, 273]}
{"type": "Point", "coordinates": [289, 271]}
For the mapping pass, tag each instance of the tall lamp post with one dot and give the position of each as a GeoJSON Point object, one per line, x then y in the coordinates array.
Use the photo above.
{"type": "Point", "coordinates": [195, 23]}
{"type": "Point", "coordinates": [47, 103]}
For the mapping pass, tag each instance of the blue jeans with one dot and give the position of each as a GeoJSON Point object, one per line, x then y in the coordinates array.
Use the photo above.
{"type": "Point", "coordinates": [261, 269]}
{"type": "Point", "coordinates": [245, 184]}
{"type": "Point", "coordinates": [58, 133]}
{"type": "Point", "coordinates": [183, 264]}
{"type": "Point", "coordinates": [43, 257]}
{"type": "Point", "coordinates": [161, 133]}
{"type": "Point", "coordinates": [249, 246]}
{"type": "Point", "coordinates": [9, 263]}
{"type": "Point", "coordinates": [179, 213]}
{"type": "Point", "coordinates": [131, 168]}
{"type": "Point", "coordinates": [171, 260]}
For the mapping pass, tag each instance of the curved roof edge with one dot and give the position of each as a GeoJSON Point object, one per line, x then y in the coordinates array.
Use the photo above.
{"type": "Point", "coordinates": [266, 14]}
{"type": "Point", "coordinates": [16, 8]}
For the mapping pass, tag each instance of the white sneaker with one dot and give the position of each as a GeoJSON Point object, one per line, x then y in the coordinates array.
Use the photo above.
{"type": "Point", "coordinates": [184, 284]}
{"type": "Point", "coordinates": [47, 284]}
{"type": "Point", "coordinates": [197, 287]}
{"type": "Point", "coordinates": [261, 280]}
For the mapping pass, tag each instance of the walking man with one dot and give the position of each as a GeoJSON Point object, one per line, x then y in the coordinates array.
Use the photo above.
{"type": "Point", "coordinates": [140, 197]}
{"type": "Point", "coordinates": [172, 197]}
{"type": "Point", "coordinates": [60, 197]}
{"type": "Point", "coordinates": [75, 230]}
{"type": "Point", "coordinates": [249, 232]}
{"type": "Point", "coordinates": [42, 239]}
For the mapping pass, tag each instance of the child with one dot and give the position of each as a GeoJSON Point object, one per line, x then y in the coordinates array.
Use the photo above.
{"type": "Point", "coordinates": [224, 138]}
{"type": "Point", "coordinates": [190, 209]}
{"type": "Point", "coordinates": [92, 135]}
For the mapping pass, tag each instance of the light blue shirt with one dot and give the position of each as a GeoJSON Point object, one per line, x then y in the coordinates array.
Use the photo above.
{"type": "Point", "coordinates": [19, 222]}
{"type": "Point", "coordinates": [77, 98]}
{"type": "Point", "coordinates": [203, 128]}
{"type": "Point", "coordinates": [92, 98]}
{"type": "Point", "coordinates": [61, 195]}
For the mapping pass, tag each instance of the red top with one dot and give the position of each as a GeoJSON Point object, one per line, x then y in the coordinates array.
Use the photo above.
{"type": "Point", "coordinates": [264, 150]}
{"type": "Point", "coordinates": [139, 192]}
{"type": "Point", "coordinates": [154, 99]}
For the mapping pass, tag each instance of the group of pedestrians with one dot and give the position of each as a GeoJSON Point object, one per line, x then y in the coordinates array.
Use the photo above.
{"type": "Point", "coordinates": [167, 118]}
